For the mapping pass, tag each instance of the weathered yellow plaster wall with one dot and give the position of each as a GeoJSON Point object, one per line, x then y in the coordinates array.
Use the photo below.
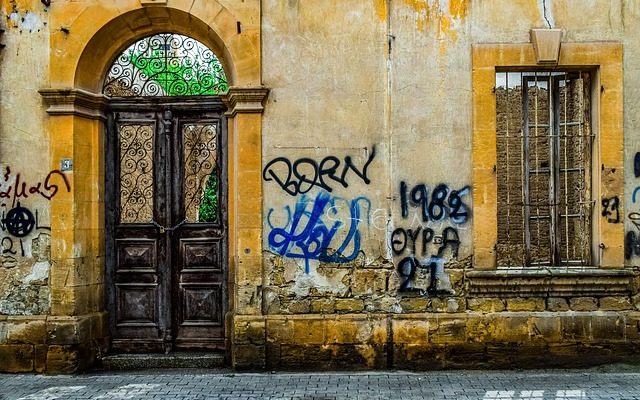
{"type": "Point", "coordinates": [404, 67]}
{"type": "Point", "coordinates": [371, 107]}
{"type": "Point", "coordinates": [24, 158]}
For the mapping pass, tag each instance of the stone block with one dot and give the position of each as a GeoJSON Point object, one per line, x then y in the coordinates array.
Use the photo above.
{"type": "Point", "coordinates": [40, 358]}
{"type": "Point", "coordinates": [279, 330]}
{"type": "Point", "coordinates": [448, 304]}
{"type": "Point", "coordinates": [448, 329]}
{"type": "Point", "coordinates": [410, 331]}
{"type": "Point", "coordinates": [479, 328]}
{"type": "Point", "coordinates": [419, 356]}
{"type": "Point", "coordinates": [583, 304]}
{"type": "Point", "coordinates": [557, 304]}
{"type": "Point", "coordinates": [323, 306]}
{"type": "Point", "coordinates": [369, 282]}
{"type": "Point", "coordinates": [516, 355]}
{"type": "Point", "coordinates": [349, 305]}
{"type": "Point", "coordinates": [511, 328]}
{"type": "Point", "coordinates": [307, 356]}
{"type": "Point", "coordinates": [615, 303]}
{"type": "Point", "coordinates": [607, 328]}
{"type": "Point", "coordinates": [632, 327]}
{"type": "Point", "coordinates": [466, 356]}
{"type": "Point", "coordinates": [308, 331]}
{"type": "Point", "coordinates": [547, 329]}
{"type": "Point", "coordinates": [456, 277]}
{"type": "Point", "coordinates": [25, 331]}
{"type": "Point", "coordinates": [525, 304]}
{"type": "Point", "coordinates": [67, 331]}
{"type": "Point", "coordinates": [486, 305]}
{"type": "Point", "coordinates": [16, 358]}
{"type": "Point", "coordinates": [415, 304]}
{"type": "Point", "coordinates": [248, 357]}
{"type": "Point", "coordinates": [62, 359]}
{"type": "Point", "coordinates": [249, 332]}
{"type": "Point", "coordinates": [562, 354]}
{"type": "Point", "coordinates": [297, 306]}
{"type": "Point", "coordinates": [576, 328]}
{"type": "Point", "coordinates": [353, 331]}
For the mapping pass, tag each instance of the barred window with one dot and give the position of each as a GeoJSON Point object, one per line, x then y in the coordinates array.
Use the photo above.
{"type": "Point", "coordinates": [544, 152]}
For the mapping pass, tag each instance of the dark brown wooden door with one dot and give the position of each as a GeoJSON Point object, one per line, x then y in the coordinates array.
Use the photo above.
{"type": "Point", "coordinates": [166, 237]}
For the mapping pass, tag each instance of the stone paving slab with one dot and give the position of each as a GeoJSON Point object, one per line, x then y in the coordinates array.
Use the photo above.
{"type": "Point", "coordinates": [222, 384]}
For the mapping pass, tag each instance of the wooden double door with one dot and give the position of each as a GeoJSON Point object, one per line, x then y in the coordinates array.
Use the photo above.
{"type": "Point", "coordinates": [166, 224]}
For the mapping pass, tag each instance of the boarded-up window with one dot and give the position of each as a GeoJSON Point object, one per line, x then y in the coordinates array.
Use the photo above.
{"type": "Point", "coordinates": [544, 141]}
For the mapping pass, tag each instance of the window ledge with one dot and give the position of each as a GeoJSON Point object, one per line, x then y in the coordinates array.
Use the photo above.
{"type": "Point", "coordinates": [550, 282]}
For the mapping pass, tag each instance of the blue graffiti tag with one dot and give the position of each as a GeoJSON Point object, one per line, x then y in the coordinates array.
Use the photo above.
{"type": "Point", "coordinates": [312, 227]}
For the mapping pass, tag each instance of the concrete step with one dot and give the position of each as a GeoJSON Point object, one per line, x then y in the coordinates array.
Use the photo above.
{"type": "Point", "coordinates": [124, 362]}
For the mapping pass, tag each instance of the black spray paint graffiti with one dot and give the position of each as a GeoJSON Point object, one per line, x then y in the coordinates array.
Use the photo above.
{"type": "Point", "coordinates": [46, 188]}
{"type": "Point", "coordinates": [302, 175]}
{"type": "Point", "coordinates": [611, 209]}
{"type": "Point", "coordinates": [632, 237]}
{"type": "Point", "coordinates": [18, 222]}
{"type": "Point", "coordinates": [421, 247]}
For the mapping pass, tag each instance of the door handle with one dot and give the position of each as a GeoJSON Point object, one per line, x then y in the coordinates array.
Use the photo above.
{"type": "Point", "coordinates": [164, 229]}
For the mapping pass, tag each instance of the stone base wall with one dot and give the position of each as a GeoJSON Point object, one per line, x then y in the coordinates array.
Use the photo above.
{"type": "Point", "coordinates": [436, 341]}
{"type": "Point", "coordinates": [51, 344]}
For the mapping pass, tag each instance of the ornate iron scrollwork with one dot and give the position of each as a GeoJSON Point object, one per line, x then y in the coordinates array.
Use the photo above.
{"type": "Point", "coordinates": [200, 180]}
{"type": "Point", "coordinates": [166, 64]}
{"type": "Point", "coordinates": [136, 173]}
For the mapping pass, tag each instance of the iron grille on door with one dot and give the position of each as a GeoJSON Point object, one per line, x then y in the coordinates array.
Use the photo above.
{"type": "Point", "coordinates": [544, 144]}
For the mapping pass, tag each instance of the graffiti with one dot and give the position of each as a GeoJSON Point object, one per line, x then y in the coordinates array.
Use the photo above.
{"type": "Point", "coordinates": [442, 204]}
{"type": "Point", "coordinates": [46, 188]}
{"type": "Point", "coordinates": [611, 207]}
{"type": "Point", "coordinates": [309, 235]}
{"type": "Point", "coordinates": [433, 264]}
{"type": "Point", "coordinates": [300, 176]}
{"type": "Point", "coordinates": [420, 247]}
{"type": "Point", "coordinates": [19, 221]}
{"type": "Point", "coordinates": [632, 238]}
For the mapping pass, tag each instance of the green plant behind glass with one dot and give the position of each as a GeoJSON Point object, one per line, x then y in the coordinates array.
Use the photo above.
{"type": "Point", "coordinates": [208, 211]}
{"type": "Point", "coordinates": [196, 75]}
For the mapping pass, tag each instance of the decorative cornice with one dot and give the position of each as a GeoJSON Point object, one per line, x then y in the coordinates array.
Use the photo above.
{"type": "Point", "coordinates": [550, 282]}
{"type": "Point", "coordinates": [74, 102]}
{"type": "Point", "coordinates": [245, 100]}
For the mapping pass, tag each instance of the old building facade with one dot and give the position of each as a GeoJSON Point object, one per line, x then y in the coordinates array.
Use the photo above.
{"type": "Point", "coordinates": [319, 183]}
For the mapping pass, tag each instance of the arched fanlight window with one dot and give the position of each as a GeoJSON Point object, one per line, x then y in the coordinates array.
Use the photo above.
{"type": "Point", "coordinates": [165, 64]}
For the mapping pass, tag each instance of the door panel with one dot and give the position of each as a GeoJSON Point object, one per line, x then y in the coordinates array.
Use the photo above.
{"type": "Point", "coordinates": [199, 241]}
{"type": "Point", "coordinates": [165, 233]}
{"type": "Point", "coordinates": [200, 279]}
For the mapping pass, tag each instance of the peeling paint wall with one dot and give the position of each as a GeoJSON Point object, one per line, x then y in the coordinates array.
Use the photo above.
{"type": "Point", "coordinates": [361, 86]}
{"type": "Point", "coordinates": [395, 75]}
{"type": "Point", "coordinates": [24, 160]}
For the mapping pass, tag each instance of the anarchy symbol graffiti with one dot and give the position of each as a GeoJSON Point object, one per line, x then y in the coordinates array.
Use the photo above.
{"type": "Point", "coordinates": [19, 221]}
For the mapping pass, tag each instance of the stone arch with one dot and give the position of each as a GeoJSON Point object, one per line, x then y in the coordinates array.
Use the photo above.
{"type": "Point", "coordinates": [112, 38]}
{"type": "Point", "coordinates": [84, 44]}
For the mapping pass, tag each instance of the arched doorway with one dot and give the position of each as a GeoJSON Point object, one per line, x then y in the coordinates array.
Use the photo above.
{"type": "Point", "coordinates": [165, 196]}
{"type": "Point", "coordinates": [77, 112]}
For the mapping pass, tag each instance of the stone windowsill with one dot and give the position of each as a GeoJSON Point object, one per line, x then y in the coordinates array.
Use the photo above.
{"type": "Point", "coordinates": [550, 282]}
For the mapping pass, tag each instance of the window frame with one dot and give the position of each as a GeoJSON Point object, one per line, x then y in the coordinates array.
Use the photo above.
{"type": "Point", "coordinates": [604, 59]}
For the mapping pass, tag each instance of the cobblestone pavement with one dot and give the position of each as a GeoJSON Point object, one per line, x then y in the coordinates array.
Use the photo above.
{"type": "Point", "coordinates": [198, 384]}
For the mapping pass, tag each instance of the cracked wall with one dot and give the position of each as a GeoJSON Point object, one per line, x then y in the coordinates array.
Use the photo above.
{"type": "Point", "coordinates": [24, 160]}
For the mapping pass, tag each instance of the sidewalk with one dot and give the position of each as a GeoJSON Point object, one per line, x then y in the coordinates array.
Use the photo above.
{"type": "Point", "coordinates": [397, 385]}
